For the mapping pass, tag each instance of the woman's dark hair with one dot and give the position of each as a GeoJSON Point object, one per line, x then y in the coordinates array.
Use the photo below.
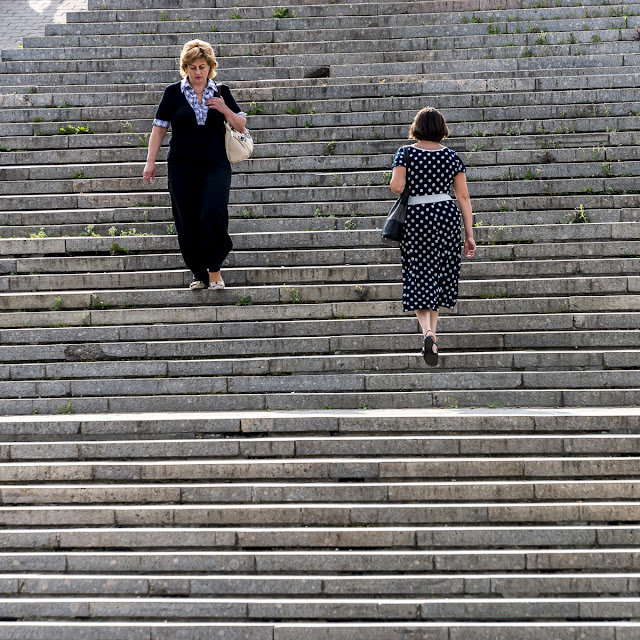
{"type": "Point", "coordinates": [429, 124]}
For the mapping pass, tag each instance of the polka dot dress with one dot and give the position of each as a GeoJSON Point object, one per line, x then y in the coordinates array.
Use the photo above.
{"type": "Point", "coordinates": [431, 240]}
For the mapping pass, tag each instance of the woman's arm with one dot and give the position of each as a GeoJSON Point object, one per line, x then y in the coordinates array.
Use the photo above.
{"type": "Point", "coordinates": [237, 121]}
{"type": "Point", "coordinates": [464, 202]}
{"type": "Point", "coordinates": [155, 141]}
{"type": "Point", "coordinates": [398, 179]}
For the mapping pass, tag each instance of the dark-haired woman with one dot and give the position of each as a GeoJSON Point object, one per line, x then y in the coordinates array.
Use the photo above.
{"type": "Point", "coordinates": [430, 246]}
{"type": "Point", "coordinates": [199, 172]}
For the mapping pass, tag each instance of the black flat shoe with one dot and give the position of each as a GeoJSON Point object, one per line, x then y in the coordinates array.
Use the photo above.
{"type": "Point", "coordinates": [429, 356]}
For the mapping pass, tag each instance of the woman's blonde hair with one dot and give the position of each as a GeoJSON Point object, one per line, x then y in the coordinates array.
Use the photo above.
{"type": "Point", "coordinates": [194, 50]}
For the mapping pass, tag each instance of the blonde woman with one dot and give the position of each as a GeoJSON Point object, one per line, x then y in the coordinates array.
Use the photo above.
{"type": "Point", "coordinates": [430, 246]}
{"type": "Point", "coordinates": [199, 172]}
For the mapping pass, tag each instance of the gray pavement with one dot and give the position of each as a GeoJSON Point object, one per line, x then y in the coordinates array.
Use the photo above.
{"type": "Point", "coordinates": [23, 18]}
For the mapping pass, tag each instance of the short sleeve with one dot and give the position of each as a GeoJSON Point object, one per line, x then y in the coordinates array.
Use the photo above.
{"type": "Point", "coordinates": [458, 165]}
{"type": "Point", "coordinates": [164, 113]}
{"type": "Point", "coordinates": [399, 160]}
{"type": "Point", "coordinates": [229, 101]}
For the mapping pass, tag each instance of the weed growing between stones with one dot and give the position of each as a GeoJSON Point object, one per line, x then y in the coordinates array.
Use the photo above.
{"type": "Point", "coordinates": [66, 410]}
{"type": "Point", "coordinates": [143, 139]}
{"type": "Point", "coordinates": [96, 302]}
{"type": "Point", "coordinates": [89, 231]}
{"type": "Point", "coordinates": [78, 175]}
{"type": "Point", "coordinates": [171, 229]}
{"type": "Point", "coordinates": [164, 17]}
{"type": "Point", "coordinates": [255, 109]}
{"type": "Point", "coordinates": [329, 149]}
{"type": "Point", "coordinates": [283, 12]}
{"type": "Point", "coordinates": [243, 300]}
{"type": "Point", "coordinates": [41, 234]}
{"type": "Point", "coordinates": [293, 110]}
{"type": "Point", "coordinates": [579, 216]}
{"type": "Point", "coordinates": [116, 249]}
{"type": "Point", "coordinates": [235, 16]}
{"type": "Point", "coordinates": [294, 295]}
{"type": "Point", "coordinates": [361, 292]}
{"type": "Point", "coordinates": [58, 304]}
{"type": "Point", "coordinates": [607, 170]}
{"type": "Point", "coordinates": [71, 130]}
{"type": "Point", "coordinates": [450, 403]}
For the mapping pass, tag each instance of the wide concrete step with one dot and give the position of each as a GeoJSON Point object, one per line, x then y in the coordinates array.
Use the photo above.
{"type": "Point", "coordinates": [326, 492]}
{"type": "Point", "coordinates": [336, 609]}
{"type": "Point", "coordinates": [338, 239]}
{"type": "Point", "coordinates": [321, 546]}
{"type": "Point", "coordinates": [310, 446]}
{"type": "Point", "coordinates": [330, 562]}
{"type": "Point", "coordinates": [357, 422]}
{"type": "Point", "coordinates": [602, 394]}
{"type": "Point", "coordinates": [339, 96]}
{"type": "Point", "coordinates": [104, 330]}
{"type": "Point", "coordinates": [518, 256]}
{"type": "Point", "coordinates": [613, 176]}
{"type": "Point", "coordinates": [492, 585]}
{"type": "Point", "coordinates": [394, 72]}
{"type": "Point", "coordinates": [157, 221]}
{"type": "Point", "coordinates": [332, 469]}
{"type": "Point", "coordinates": [526, 59]}
{"type": "Point", "coordinates": [94, 164]}
{"type": "Point", "coordinates": [303, 11]}
{"type": "Point", "coordinates": [378, 53]}
{"type": "Point", "coordinates": [153, 279]}
{"type": "Point", "coordinates": [514, 290]}
{"type": "Point", "coordinates": [294, 28]}
{"type": "Point", "coordinates": [327, 514]}
{"type": "Point", "coordinates": [276, 52]}
{"type": "Point", "coordinates": [283, 630]}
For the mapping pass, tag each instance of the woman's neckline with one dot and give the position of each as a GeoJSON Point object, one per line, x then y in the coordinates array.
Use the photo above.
{"type": "Point", "coordinates": [421, 149]}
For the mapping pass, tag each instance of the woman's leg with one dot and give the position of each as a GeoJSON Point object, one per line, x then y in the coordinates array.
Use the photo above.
{"type": "Point", "coordinates": [185, 202]}
{"type": "Point", "coordinates": [428, 319]}
{"type": "Point", "coordinates": [433, 315]}
{"type": "Point", "coordinates": [424, 318]}
{"type": "Point", "coordinates": [214, 218]}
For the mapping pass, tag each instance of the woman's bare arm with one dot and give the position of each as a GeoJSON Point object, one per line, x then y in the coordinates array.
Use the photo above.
{"type": "Point", "coordinates": [464, 202]}
{"type": "Point", "coordinates": [398, 179]}
{"type": "Point", "coordinates": [155, 142]}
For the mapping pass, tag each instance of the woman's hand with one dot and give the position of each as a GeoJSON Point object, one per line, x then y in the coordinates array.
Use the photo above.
{"type": "Point", "coordinates": [469, 247]}
{"type": "Point", "coordinates": [218, 104]}
{"type": "Point", "coordinates": [149, 173]}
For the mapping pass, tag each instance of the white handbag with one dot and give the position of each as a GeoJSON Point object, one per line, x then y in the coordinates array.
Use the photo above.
{"type": "Point", "coordinates": [239, 146]}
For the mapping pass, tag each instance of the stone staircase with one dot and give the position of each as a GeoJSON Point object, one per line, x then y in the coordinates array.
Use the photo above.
{"type": "Point", "coordinates": [274, 459]}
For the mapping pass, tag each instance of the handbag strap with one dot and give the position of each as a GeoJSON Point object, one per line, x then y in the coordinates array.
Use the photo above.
{"type": "Point", "coordinates": [405, 194]}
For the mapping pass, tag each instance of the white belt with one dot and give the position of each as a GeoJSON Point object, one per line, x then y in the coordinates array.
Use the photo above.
{"type": "Point", "coordinates": [436, 197]}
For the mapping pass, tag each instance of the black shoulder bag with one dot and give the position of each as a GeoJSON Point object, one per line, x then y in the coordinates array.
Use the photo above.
{"type": "Point", "coordinates": [394, 224]}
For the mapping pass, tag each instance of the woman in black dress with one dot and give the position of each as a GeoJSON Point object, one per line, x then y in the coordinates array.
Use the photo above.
{"type": "Point", "coordinates": [430, 246]}
{"type": "Point", "coordinates": [199, 173]}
